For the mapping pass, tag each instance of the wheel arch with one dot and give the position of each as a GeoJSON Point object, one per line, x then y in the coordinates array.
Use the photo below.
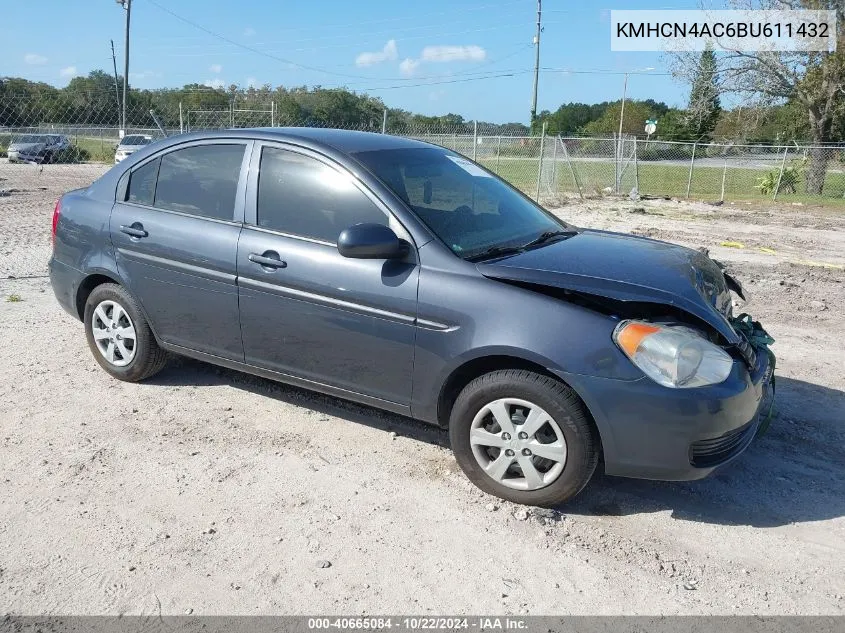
{"type": "Point", "coordinates": [86, 287]}
{"type": "Point", "coordinates": [98, 277]}
{"type": "Point", "coordinates": [471, 369]}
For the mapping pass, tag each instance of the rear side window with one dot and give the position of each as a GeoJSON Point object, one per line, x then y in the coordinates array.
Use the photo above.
{"type": "Point", "coordinates": [200, 180]}
{"type": "Point", "coordinates": [142, 184]}
{"type": "Point", "coordinates": [301, 196]}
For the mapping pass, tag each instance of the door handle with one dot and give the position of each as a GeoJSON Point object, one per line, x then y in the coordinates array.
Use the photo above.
{"type": "Point", "coordinates": [268, 259]}
{"type": "Point", "coordinates": [134, 230]}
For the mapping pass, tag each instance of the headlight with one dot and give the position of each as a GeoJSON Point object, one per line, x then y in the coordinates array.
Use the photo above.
{"type": "Point", "coordinates": [673, 355]}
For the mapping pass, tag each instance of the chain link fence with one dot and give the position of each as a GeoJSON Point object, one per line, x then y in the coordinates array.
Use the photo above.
{"type": "Point", "coordinates": [46, 151]}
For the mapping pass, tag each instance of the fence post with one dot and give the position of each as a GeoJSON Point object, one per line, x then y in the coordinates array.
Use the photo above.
{"type": "Point", "coordinates": [384, 122]}
{"type": "Point", "coordinates": [780, 175]}
{"type": "Point", "coordinates": [232, 113]}
{"type": "Point", "coordinates": [572, 171]}
{"type": "Point", "coordinates": [474, 140]}
{"type": "Point", "coordinates": [724, 175]}
{"type": "Point", "coordinates": [636, 168]}
{"type": "Point", "coordinates": [554, 164]}
{"type": "Point", "coordinates": [691, 163]}
{"type": "Point", "coordinates": [272, 114]}
{"type": "Point", "coordinates": [540, 162]}
{"type": "Point", "coordinates": [615, 163]}
{"type": "Point", "coordinates": [498, 152]}
{"type": "Point", "coordinates": [181, 121]}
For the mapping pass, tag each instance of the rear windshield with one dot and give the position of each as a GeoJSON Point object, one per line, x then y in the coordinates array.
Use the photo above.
{"type": "Point", "coordinates": [32, 138]}
{"type": "Point", "coordinates": [135, 140]}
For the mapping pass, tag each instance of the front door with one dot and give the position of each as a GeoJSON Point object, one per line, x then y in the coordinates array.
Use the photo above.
{"type": "Point", "coordinates": [175, 236]}
{"type": "Point", "coordinates": [306, 310]}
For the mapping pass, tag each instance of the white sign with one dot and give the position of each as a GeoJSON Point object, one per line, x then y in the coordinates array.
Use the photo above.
{"type": "Point", "coordinates": [730, 30]}
{"type": "Point", "coordinates": [650, 128]}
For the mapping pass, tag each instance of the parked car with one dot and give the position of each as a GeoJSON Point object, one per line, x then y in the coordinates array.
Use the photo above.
{"type": "Point", "coordinates": [404, 276]}
{"type": "Point", "coordinates": [39, 148]}
{"type": "Point", "coordinates": [129, 144]}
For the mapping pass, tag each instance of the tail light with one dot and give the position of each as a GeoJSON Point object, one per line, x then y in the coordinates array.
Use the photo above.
{"type": "Point", "coordinates": [57, 210]}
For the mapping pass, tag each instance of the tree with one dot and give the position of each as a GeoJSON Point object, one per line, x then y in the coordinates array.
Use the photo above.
{"type": "Point", "coordinates": [704, 106]}
{"type": "Point", "coordinates": [633, 122]}
{"type": "Point", "coordinates": [815, 80]}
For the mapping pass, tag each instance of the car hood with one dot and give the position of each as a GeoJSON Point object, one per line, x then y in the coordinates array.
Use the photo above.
{"type": "Point", "coordinates": [626, 268]}
{"type": "Point", "coordinates": [26, 147]}
{"type": "Point", "coordinates": [129, 148]}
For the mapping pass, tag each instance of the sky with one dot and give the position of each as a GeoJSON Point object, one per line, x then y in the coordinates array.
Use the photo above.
{"type": "Point", "coordinates": [470, 57]}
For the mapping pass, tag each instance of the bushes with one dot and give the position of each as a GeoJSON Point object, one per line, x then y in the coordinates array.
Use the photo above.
{"type": "Point", "coordinates": [789, 179]}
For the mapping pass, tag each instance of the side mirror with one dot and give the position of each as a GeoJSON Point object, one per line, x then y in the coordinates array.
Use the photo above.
{"type": "Point", "coordinates": [371, 241]}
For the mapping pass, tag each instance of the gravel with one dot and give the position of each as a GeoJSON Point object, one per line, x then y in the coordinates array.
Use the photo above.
{"type": "Point", "coordinates": [284, 480]}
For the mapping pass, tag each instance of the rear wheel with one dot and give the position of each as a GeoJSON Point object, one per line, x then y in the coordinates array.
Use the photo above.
{"type": "Point", "coordinates": [524, 437]}
{"type": "Point", "coordinates": [119, 336]}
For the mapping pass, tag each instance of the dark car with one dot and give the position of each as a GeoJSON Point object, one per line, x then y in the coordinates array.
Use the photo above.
{"type": "Point", "coordinates": [39, 148]}
{"type": "Point", "coordinates": [404, 276]}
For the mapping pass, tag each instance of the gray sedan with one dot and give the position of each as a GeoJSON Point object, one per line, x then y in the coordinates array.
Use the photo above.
{"type": "Point", "coordinates": [404, 276]}
{"type": "Point", "coordinates": [38, 148]}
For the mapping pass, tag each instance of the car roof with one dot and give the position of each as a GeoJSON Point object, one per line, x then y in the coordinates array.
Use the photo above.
{"type": "Point", "coordinates": [346, 141]}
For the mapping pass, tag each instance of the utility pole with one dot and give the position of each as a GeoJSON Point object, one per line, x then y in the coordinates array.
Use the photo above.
{"type": "Point", "coordinates": [622, 111]}
{"type": "Point", "coordinates": [114, 64]}
{"type": "Point", "coordinates": [127, 6]}
{"type": "Point", "coordinates": [619, 145]}
{"type": "Point", "coordinates": [536, 61]}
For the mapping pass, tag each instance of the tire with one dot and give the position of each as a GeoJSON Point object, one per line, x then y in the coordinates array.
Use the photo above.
{"type": "Point", "coordinates": [562, 476]}
{"type": "Point", "coordinates": [138, 361]}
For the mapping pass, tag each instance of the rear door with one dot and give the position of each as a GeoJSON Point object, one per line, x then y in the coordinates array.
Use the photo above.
{"type": "Point", "coordinates": [306, 310]}
{"type": "Point", "coordinates": [175, 233]}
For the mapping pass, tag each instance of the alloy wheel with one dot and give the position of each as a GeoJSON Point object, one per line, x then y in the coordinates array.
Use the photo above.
{"type": "Point", "coordinates": [114, 333]}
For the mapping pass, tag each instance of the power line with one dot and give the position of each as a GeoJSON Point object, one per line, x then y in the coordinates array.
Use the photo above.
{"type": "Point", "coordinates": [396, 19]}
{"type": "Point", "coordinates": [213, 53]}
{"type": "Point", "coordinates": [250, 48]}
{"type": "Point", "coordinates": [270, 55]}
{"type": "Point", "coordinates": [452, 81]}
{"type": "Point", "coordinates": [392, 33]}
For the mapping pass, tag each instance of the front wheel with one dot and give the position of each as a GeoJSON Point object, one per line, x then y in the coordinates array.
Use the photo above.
{"type": "Point", "coordinates": [119, 336]}
{"type": "Point", "coordinates": [524, 437]}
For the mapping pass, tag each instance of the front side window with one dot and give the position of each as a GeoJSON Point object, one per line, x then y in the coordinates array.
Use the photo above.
{"type": "Point", "coordinates": [468, 208]}
{"type": "Point", "coordinates": [200, 180]}
{"type": "Point", "coordinates": [302, 196]}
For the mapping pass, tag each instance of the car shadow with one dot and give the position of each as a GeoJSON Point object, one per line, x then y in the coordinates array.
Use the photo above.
{"type": "Point", "coordinates": [187, 371]}
{"type": "Point", "coordinates": [793, 474]}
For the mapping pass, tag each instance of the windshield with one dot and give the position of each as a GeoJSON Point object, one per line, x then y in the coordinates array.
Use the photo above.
{"type": "Point", "coordinates": [135, 140]}
{"type": "Point", "coordinates": [468, 208]}
{"type": "Point", "coordinates": [32, 138]}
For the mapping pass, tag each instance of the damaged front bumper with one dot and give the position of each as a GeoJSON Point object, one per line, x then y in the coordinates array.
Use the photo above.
{"type": "Point", "coordinates": [653, 432]}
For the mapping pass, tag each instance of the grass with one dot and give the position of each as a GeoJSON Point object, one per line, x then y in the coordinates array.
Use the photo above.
{"type": "Point", "coordinates": [13, 298]}
{"type": "Point", "coordinates": [662, 179]}
{"type": "Point", "coordinates": [98, 150]}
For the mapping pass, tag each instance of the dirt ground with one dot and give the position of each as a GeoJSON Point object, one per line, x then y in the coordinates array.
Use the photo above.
{"type": "Point", "coordinates": [208, 491]}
